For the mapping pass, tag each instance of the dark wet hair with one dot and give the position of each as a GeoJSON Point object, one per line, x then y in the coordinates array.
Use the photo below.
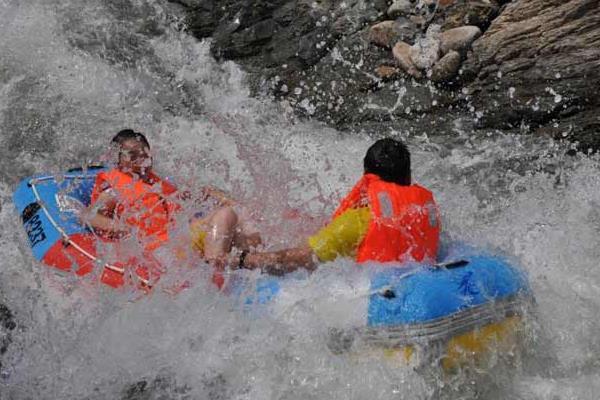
{"type": "Point", "coordinates": [390, 160]}
{"type": "Point", "coordinates": [130, 134]}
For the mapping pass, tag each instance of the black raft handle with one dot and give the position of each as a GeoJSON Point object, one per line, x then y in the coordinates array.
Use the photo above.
{"type": "Point", "coordinates": [89, 167]}
{"type": "Point", "coordinates": [451, 264]}
{"type": "Point", "coordinates": [389, 293]}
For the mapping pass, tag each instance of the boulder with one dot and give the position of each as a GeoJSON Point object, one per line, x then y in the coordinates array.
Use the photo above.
{"type": "Point", "coordinates": [539, 65]}
{"type": "Point", "coordinates": [447, 67]}
{"type": "Point", "coordinates": [419, 21]}
{"type": "Point", "coordinates": [406, 29]}
{"type": "Point", "coordinates": [382, 34]}
{"type": "Point", "coordinates": [354, 17]}
{"type": "Point", "coordinates": [402, 55]}
{"type": "Point", "coordinates": [7, 326]}
{"type": "Point", "coordinates": [454, 14]}
{"type": "Point", "coordinates": [400, 8]}
{"type": "Point", "coordinates": [426, 50]}
{"type": "Point", "coordinates": [388, 33]}
{"type": "Point", "coordinates": [458, 39]}
{"type": "Point", "coordinates": [386, 72]}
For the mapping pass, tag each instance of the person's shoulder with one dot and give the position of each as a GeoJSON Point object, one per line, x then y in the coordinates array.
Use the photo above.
{"type": "Point", "coordinates": [110, 178]}
{"type": "Point", "coordinates": [421, 191]}
{"type": "Point", "coordinates": [103, 184]}
{"type": "Point", "coordinates": [420, 187]}
{"type": "Point", "coordinates": [167, 185]}
{"type": "Point", "coordinates": [109, 174]}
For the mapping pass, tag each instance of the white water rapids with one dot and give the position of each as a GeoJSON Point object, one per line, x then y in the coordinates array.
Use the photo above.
{"type": "Point", "coordinates": [73, 72]}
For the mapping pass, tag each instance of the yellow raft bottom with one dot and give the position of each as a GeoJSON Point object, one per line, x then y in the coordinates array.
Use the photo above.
{"type": "Point", "coordinates": [474, 347]}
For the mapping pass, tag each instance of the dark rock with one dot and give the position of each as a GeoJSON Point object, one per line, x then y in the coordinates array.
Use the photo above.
{"type": "Point", "coordinates": [7, 325]}
{"type": "Point", "coordinates": [536, 67]}
{"type": "Point", "coordinates": [402, 55]}
{"type": "Point", "coordinates": [419, 21]}
{"type": "Point", "coordinates": [455, 13]}
{"type": "Point", "coordinates": [338, 81]}
{"type": "Point", "coordinates": [382, 34]}
{"type": "Point", "coordinates": [358, 15]}
{"type": "Point", "coordinates": [539, 64]}
{"type": "Point", "coordinates": [388, 33]}
{"type": "Point", "coordinates": [202, 17]}
{"type": "Point", "coordinates": [423, 8]}
{"type": "Point", "coordinates": [385, 72]}
{"type": "Point", "coordinates": [294, 33]}
{"type": "Point", "coordinates": [400, 8]}
{"type": "Point", "coordinates": [582, 127]}
{"type": "Point", "coordinates": [287, 33]}
{"type": "Point", "coordinates": [406, 29]}
{"type": "Point", "coordinates": [458, 39]}
{"type": "Point", "coordinates": [246, 42]}
{"type": "Point", "coordinates": [447, 67]}
{"type": "Point", "coordinates": [380, 5]}
{"type": "Point", "coordinates": [161, 387]}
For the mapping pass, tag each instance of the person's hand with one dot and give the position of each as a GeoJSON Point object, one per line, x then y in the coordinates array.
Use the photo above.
{"type": "Point", "coordinates": [235, 261]}
{"type": "Point", "coordinates": [218, 195]}
{"type": "Point", "coordinates": [219, 263]}
{"type": "Point", "coordinates": [257, 260]}
{"type": "Point", "coordinates": [184, 195]}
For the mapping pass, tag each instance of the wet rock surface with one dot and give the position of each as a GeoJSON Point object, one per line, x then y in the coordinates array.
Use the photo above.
{"type": "Point", "coordinates": [454, 14]}
{"type": "Point", "coordinates": [7, 326]}
{"type": "Point", "coordinates": [521, 65]}
{"type": "Point", "coordinates": [447, 67]}
{"type": "Point", "coordinates": [538, 67]}
{"type": "Point", "coordinates": [458, 39]}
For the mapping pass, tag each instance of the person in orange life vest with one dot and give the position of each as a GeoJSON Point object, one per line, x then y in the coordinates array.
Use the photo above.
{"type": "Point", "coordinates": [384, 218]}
{"type": "Point", "coordinates": [131, 200]}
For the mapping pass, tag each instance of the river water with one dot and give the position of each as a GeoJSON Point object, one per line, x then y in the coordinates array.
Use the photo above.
{"type": "Point", "coordinates": [72, 73]}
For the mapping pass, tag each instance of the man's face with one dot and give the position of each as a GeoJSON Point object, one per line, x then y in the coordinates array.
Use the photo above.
{"type": "Point", "coordinates": [135, 157]}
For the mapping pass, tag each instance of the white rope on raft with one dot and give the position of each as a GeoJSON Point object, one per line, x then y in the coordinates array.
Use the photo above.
{"type": "Point", "coordinates": [64, 235]}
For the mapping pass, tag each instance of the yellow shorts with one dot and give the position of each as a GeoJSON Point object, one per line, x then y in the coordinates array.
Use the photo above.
{"type": "Point", "coordinates": [198, 235]}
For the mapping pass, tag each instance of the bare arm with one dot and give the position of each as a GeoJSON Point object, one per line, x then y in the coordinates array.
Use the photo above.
{"type": "Point", "coordinates": [283, 261]}
{"type": "Point", "coordinates": [219, 195]}
{"type": "Point", "coordinates": [102, 218]}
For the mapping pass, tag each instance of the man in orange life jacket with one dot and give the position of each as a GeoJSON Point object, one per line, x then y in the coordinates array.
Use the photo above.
{"type": "Point", "coordinates": [131, 200]}
{"type": "Point", "coordinates": [384, 218]}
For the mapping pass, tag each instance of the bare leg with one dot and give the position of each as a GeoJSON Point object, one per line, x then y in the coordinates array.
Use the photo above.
{"type": "Point", "coordinates": [223, 229]}
{"type": "Point", "coordinates": [222, 225]}
{"type": "Point", "coordinates": [246, 234]}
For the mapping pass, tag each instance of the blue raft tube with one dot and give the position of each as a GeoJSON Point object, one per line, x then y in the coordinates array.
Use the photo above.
{"type": "Point", "coordinates": [454, 311]}
{"type": "Point", "coordinates": [461, 311]}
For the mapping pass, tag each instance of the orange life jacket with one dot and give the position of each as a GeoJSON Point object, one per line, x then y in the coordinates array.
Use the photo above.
{"type": "Point", "coordinates": [405, 224]}
{"type": "Point", "coordinates": [143, 206]}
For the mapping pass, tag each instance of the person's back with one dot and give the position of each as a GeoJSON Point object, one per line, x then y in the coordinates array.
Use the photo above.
{"type": "Point", "coordinates": [399, 222]}
{"type": "Point", "coordinates": [384, 218]}
{"type": "Point", "coordinates": [394, 219]}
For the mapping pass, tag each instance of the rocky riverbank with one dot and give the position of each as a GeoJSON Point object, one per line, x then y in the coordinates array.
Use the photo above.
{"type": "Point", "coordinates": [523, 65]}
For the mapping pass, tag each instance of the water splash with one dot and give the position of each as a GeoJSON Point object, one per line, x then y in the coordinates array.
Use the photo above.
{"type": "Point", "coordinates": [74, 73]}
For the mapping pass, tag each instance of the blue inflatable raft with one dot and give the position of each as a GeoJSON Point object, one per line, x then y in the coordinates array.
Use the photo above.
{"type": "Point", "coordinates": [458, 311]}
